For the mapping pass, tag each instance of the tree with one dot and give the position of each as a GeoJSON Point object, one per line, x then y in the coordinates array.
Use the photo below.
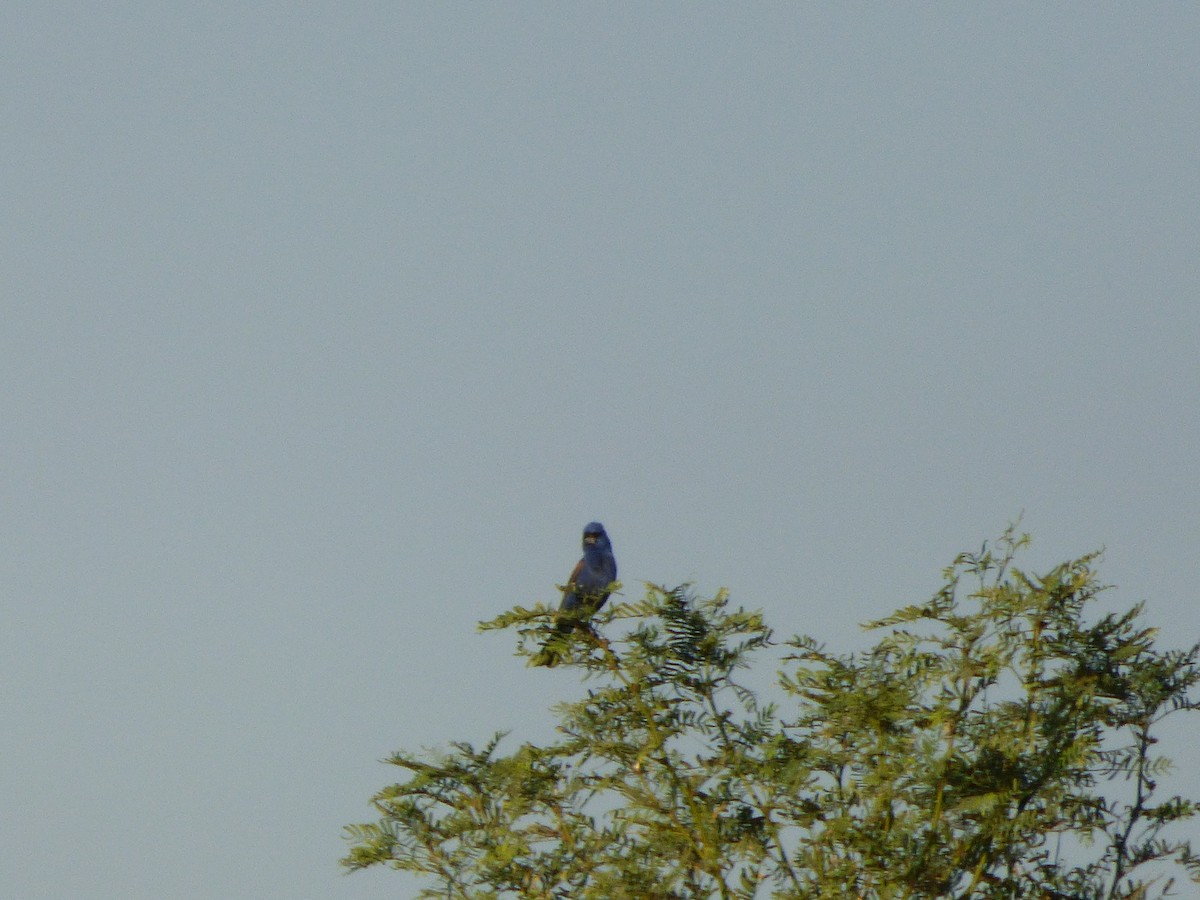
{"type": "Point", "coordinates": [998, 741]}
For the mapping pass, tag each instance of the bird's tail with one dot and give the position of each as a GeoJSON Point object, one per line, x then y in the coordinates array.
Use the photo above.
{"type": "Point", "coordinates": [556, 647]}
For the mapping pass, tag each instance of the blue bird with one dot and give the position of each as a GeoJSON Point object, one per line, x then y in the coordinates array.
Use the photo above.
{"type": "Point", "coordinates": [587, 588]}
{"type": "Point", "coordinates": [585, 592]}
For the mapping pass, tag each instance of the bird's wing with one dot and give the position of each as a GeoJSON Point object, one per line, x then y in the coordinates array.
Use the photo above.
{"type": "Point", "coordinates": [570, 599]}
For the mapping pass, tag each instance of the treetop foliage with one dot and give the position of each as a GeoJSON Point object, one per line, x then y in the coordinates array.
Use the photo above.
{"type": "Point", "coordinates": [997, 741]}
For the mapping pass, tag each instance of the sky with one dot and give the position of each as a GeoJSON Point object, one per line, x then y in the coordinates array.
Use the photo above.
{"type": "Point", "coordinates": [326, 328]}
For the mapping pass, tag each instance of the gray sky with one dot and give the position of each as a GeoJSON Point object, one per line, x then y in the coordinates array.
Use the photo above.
{"type": "Point", "coordinates": [325, 331]}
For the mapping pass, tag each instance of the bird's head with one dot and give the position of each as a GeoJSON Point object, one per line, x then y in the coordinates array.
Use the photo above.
{"type": "Point", "coordinates": [594, 536]}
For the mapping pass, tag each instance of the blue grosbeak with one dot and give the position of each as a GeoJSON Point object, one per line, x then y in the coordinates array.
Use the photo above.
{"type": "Point", "coordinates": [587, 586]}
{"type": "Point", "coordinates": [585, 592]}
